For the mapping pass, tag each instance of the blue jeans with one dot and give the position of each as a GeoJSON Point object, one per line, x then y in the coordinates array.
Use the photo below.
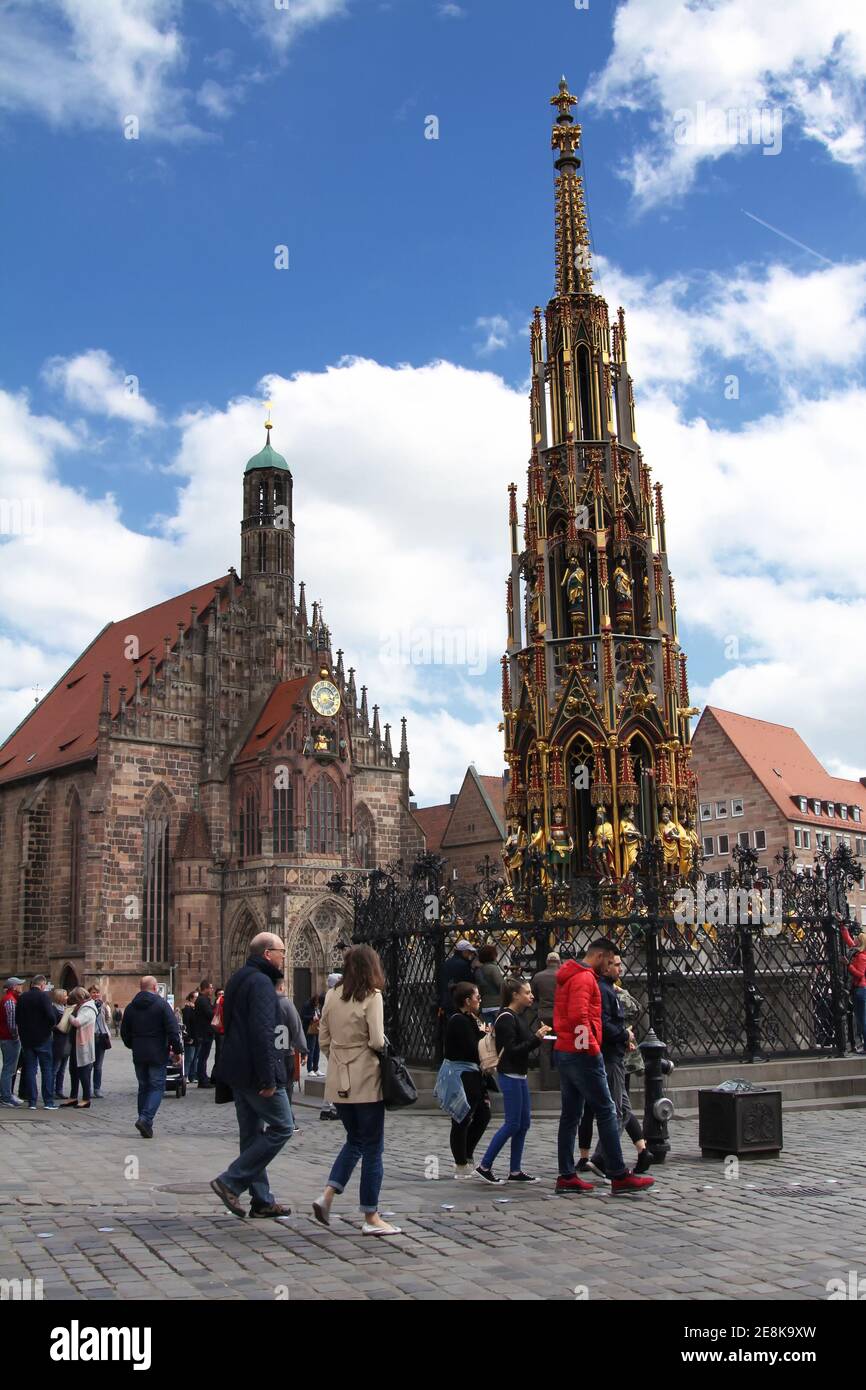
{"type": "Point", "coordinates": [204, 1047]}
{"type": "Point", "coordinates": [101, 1050]}
{"type": "Point", "coordinates": [518, 1117]}
{"type": "Point", "coordinates": [9, 1049]}
{"type": "Point", "coordinates": [582, 1078]}
{"type": "Point", "coordinates": [190, 1060]}
{"type": "Point", "coordinates": [151, 1089]}
{"type": "Point", "coordinates": [860, 1012]}
{"type": "Point", "coordinates": [312, 1051]}
{"type": "Point", "coordinates": [265, 1125]}
{"type": "Point", "coordinates": [41, 1057]}
{"type": "Point", "coordinates": [365, 1140]}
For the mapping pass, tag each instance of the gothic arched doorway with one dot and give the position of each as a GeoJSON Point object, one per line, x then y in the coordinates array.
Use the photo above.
{"type": "Point", "coordinates": [69, 978]}
{"type": "Point", "coordinates": [238, 945]}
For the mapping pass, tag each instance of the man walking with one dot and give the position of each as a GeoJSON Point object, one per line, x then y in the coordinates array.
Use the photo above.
{"type": "Point", "coordinates": [577, 1022]}
{"type": "Point", "coordinates": [117, 1017]}
{"type": "Point", "coordinates": [150, 1028]}
{"type": "Point", "coordinates": [252, 1065]}
{"type": "Point", "coordinates": [203, 1031]}
{"type": "Point", "coordinates": [36, 1018]}
{"type": "Point", "coordinates": [10, 1044]}
{"type": "Point", "coordinates": [291, 1037]}
{"type": "Point", "coordinates": [616, 1040]}
{"type": "Point", "coordinates": [102, 1037]}
{"type": "Point", "coordinates": [544, 988]}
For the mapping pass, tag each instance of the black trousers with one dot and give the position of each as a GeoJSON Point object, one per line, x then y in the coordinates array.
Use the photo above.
{"type": "Point", "coordinates": [617, 1080]}
{"type": "Point", "coordinates": [466, 1135]}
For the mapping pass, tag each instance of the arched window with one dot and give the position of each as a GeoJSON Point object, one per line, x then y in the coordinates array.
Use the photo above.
{"type": "Point", "coordinates": [323, 818]}
{"type": "Point", "coordinates": [283, 812]}
{"type": "Point", "coordinates": [584, 391]}
{"type": "Point", "coordinates": [365, 839]}
{"type": "Point", "coordinates": [75, 868]}
{"type": "Point", "coordinates": [157, 870]}
{"type": "Point", "coordinates": [249, 823]}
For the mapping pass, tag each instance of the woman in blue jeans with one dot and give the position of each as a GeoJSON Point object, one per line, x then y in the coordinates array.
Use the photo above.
{"type": "Point", "coordinates": [351, 1035]}
{"type": "Point", "coordinates": [515, 1040]}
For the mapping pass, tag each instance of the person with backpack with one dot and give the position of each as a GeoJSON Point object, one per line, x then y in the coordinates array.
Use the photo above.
{"type": "Point", "coordinates": [463, 1033]}
{"type": "Point", "coordinates": [515, 1040]}
{"type": "Point", "coordinates": [311, 1015]}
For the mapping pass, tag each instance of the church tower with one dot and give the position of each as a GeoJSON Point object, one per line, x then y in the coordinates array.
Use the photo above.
{"type": "Point", "coordinates": [594, 687]}
{"type": "Point", "coordinates": [268, 562]}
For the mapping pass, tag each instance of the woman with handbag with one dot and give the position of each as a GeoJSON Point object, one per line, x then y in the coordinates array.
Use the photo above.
{"type": "Point", "coordinates": [352, 1034]}
{"type": "Point", "coordinates": [311, 1015]}
{"type": "Point", "coordinates": [463, 1033]}
{"type": "Point", "coordinates": [61, 1039]}
{"type": "Point", "coordinates": [83, 1023]}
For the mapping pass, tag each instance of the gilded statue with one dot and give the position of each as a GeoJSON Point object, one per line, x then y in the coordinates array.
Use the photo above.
{"type": "Point", "coordinates": [560, 847]}
{"type": "Point", "coordinates": [669, 835]}
{"type": "Point", "coordinates": [601, 846]}
{"type": "Point", "coordinates": [512, 853]}
{"type": "Point", "coordinates": [574, 583]}
{"type": "Point", "coordinates": [689, 846]}
{"type": "Point", "coordinates": [630, 839]}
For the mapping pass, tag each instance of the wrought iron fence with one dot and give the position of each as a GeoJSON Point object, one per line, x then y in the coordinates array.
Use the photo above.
{"type": "Point", "coordinates": [751, 966]}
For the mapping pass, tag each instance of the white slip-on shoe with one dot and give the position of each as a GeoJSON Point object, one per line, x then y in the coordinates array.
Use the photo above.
{"type": "Point", "coordinates": [385, 1230]}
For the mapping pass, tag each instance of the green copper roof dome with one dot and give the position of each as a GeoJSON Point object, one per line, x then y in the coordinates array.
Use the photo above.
{"type": "Point", "coordinates": [267, 458]}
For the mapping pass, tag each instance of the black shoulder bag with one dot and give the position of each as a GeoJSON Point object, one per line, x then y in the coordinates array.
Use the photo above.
{"type": "Point", "coordinates": [398, 1087]}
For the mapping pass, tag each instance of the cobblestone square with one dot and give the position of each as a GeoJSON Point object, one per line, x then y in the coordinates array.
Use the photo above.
{"type": "Point", "coordinates": [74, 1214]}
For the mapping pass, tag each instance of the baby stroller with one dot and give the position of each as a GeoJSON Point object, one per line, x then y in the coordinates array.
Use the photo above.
{"type": "Point", "coordinates": [174, 1078]}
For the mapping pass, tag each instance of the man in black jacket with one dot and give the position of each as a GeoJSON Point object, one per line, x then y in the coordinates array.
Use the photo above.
{"type": "Point", "coordinates": [35, 1019]}
{"type": "Point", "coordinates": [150, 1028]}
{"type": "Point", "coordinates": [202, 1031]}
{"type": "Point", "coordinates": [457, 969]}
{"type": "Point", "coordinates": [616, 1040]}
{"type": "Point", "coordinates": [254, 1067]}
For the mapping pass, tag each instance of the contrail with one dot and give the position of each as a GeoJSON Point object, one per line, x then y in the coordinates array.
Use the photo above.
{"type": "Point", "coordinates": [802, 245]}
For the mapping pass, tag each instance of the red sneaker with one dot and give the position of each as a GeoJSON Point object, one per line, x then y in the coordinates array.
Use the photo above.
{"type": "Point", "coordinates": [573, 1184]}
{"type": "Point", "coordinates": [630, 1182]}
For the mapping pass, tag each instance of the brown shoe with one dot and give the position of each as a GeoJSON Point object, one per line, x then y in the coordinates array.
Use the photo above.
{"type": "Point", "coordinates": [274, 1210]}
{"type": "Point", "coordinates": [228, 1198]}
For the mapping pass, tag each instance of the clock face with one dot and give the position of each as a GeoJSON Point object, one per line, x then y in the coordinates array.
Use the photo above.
{"type": "Point", "coordinates": [325, 698]}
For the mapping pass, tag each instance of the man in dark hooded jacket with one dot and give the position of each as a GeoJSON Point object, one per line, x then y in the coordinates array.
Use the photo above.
{"type": "Point", "coordinates": [253, 1065]}
{"type": "Point", "coordinates": [150, 1028]}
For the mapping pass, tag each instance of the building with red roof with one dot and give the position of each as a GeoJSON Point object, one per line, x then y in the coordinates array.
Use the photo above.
{"type": "Point", "coordinates": [195, 777]}
{"type": "Point", "coordinates": [761, 787]}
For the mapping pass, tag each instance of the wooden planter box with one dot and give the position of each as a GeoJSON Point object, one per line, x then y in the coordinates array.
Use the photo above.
{"type": "Point", "coordinates": [739, 1122]}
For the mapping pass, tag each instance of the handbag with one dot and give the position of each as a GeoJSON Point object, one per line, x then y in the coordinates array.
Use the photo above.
{"type": "Point", "coordinates": [488, 1054]}
{"type": "Point", "coordinates": [63, 1023]}
{"type": "Point", "coordinates": [398, 1087]}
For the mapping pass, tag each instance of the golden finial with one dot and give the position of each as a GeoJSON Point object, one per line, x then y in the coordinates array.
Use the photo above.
{"type": "Point", "coordinates": [268, 424]}
{"type": "Point", "coordinates": [563, 100]}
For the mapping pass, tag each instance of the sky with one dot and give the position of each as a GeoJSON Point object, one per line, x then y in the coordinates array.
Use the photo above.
{"type": "Point", "coordinates": [346, 207]}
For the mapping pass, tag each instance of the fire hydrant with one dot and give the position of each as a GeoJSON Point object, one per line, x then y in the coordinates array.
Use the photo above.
{"type": "Point", "coordinates": [658, 1108]}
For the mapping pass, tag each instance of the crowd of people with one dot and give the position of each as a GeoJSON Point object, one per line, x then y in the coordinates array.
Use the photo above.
{"type": "Point", "coordinates": [44, 1032]}
{"type": "Point", "coordinates": [574, 1017]}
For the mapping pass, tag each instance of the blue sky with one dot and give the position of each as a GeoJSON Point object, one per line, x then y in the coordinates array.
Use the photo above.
{"type": "Point", "coordinates": [304, 126]}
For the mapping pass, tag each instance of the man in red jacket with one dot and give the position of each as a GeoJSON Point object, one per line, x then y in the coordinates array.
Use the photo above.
{"type": "Point", "coordinates": [577, 1024]}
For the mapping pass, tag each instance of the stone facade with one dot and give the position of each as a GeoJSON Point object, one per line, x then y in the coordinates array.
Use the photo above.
{"type": "Point", "coordinates": [177, 791]}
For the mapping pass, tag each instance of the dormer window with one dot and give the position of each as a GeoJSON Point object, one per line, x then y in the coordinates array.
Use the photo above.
{"type": "Point", "coordinates": [804, 804]}
{"type": "Point", "coordinates": [831, 808]}
{"type": "Point", "coordinates": [856, 811]}
{"type": "Point", "coordinates": [843, 812]}
{"type": "Point", "coordinates": [816, 807]}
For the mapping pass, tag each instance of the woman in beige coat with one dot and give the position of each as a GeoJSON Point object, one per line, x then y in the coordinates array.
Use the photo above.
{"type": "Point", "coordinates": [351, 1034]}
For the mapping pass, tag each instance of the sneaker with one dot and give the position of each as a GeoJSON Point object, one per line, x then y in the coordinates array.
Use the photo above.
{"type": "Point", "coordinates": [630, 1183]}
{"type": "Point", "coordinates": [97, 1095]}
{"type": "Point", "coordinates": [52, 1105]}
{"type": "Point", "coordinates": [521, 1177]}
{"type": "Point", "coordinates": [32, 1107]}
{"type": "Point", "coordinates": [583, 1165]}
{"type": "Point", "coordinates": [274, 1210]}
{"type": "Point", "coordinates": [462, 1171]}
{"type": "Point", "coordinates": [228, 1198]}
{"type": "Point", "coordinates": [487, 1175]}
{"type": "Point", "coordinates": [644, 1160]}
{"type": "Point", "coordinates": [145, 1130]}
{"type": "Point", "coordinates": [6, 1105]}
{"type": "Point", "coordinates": [598, 1168]}
{"type": "Point", "coordinates": [573, 1184]}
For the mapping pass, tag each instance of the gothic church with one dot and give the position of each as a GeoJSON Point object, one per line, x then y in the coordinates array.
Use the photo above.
{"type": "Point", "coordinates": [197, 776]}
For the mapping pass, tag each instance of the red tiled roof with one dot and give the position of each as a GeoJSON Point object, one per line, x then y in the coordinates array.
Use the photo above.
{"type": "Point", "coordinates": [495, 789]}
{"type": "Point", "coordinates": [787, 768]}
{"type": "Point", "coordinates": [278, 710]}
{"type": "Point", "coordinates": [433, 820]}
{"type": "Point", "coordinates": [64, 726]}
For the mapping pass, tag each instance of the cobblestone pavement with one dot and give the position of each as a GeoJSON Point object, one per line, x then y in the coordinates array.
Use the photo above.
{"type": "Point", "coordinates": [74, 1214]}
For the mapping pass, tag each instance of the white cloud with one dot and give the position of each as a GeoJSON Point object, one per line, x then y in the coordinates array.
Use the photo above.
{"type": "Point", "coordinates": [796, 327]}
{"type": "Point", "coordinates": [94, 63]}
{"type": "Point", "coordinates": [283, 21]}
{"type": "Point", "coordinates": [497, 331]}
{"type": "Point", "coordinates": [93, 381]}
{"type": "Point", "coordinates": [692, 58]}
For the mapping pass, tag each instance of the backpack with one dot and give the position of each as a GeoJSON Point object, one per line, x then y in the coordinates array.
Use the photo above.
{"type": "Point", "coordinates": [488, 1055]}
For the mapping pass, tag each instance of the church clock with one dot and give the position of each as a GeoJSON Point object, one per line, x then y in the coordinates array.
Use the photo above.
{"type": "Point", "coordinates": [325, 698]}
